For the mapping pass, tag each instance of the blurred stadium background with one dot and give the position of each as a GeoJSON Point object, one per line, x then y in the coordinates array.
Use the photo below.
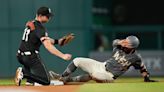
{"type": "Point", "coordinates": [95, 23]}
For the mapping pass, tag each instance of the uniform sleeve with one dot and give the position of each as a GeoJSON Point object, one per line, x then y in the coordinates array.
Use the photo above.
{"type": "Point", "coordinates": [115, 43]}
{"type": "Point", "coordinates": [139, 65]}
{"type": "Point", "coordinates": [41, 33]}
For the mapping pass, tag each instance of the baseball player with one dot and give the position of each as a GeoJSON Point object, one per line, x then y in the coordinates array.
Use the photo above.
{"type": "Point", "coordinates": [124, 56]}
{"type": "Point", "coordinates": [35, 34]}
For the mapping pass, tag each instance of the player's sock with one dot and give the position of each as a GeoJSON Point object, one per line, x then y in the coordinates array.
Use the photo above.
{"type": "Point", "coordinates": [70, 68]}
{"type": "Point", "coordinates": [80, 78]}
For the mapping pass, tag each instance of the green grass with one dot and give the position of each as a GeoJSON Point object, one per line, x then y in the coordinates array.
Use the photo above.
{"type": "Point", "coordinates": [134, 80]}
{"type": "Point", "coordinates": [125, 85]}
{"type": "Point", "coordinates": [8, 82]}
{"type": "Point", "coordinates": [120, 85]}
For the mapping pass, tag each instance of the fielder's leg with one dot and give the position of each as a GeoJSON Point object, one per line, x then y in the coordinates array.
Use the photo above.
{"type": "Point", "coordinates": [39, 73]}
{"type": "Point", "coordinates": [29, 82]}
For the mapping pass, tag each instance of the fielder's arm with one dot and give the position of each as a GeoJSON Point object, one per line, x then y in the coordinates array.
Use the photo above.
{"type": "Point", "coordinates": [53, 41]}
{"type": "Point", "coordinates": [52, 49]}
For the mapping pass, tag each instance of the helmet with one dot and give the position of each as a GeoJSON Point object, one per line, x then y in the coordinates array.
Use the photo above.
{"type": "Point", "coordinates": [133, 41]}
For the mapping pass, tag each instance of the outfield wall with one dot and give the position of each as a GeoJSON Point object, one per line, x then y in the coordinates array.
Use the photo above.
{"type": "Point", "coordinates": [154, 61]}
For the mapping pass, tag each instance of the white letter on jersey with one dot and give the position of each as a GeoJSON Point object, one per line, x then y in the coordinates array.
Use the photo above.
{"type": "Point", "coordinates": [25, 34]}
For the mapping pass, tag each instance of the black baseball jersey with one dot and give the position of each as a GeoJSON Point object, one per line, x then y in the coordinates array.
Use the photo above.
{"type": "Point", "coordinates": [31, 38]}
{"type": "Point", "coordinates": [120, 61]}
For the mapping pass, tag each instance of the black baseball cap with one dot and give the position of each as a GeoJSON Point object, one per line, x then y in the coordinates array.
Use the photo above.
{"type": "Point", "coordinates": [45, 11]}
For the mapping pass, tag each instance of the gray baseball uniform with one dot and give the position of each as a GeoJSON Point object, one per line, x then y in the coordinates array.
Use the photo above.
{"type": "Point", "coordinates": [120, 61]}
{"type": "Point", "coordinates": [109, 70]}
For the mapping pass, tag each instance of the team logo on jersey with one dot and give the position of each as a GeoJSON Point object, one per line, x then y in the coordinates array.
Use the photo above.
{"type": "Point", "coordinates": [121, 59]}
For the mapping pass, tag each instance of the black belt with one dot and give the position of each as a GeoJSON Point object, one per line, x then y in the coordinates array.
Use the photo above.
{"type": "Point", "coordinates": [27, 53]}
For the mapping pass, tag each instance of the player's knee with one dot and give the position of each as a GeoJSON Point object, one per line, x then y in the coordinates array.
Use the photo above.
{"type": "Point", "coordinates": [76, 61]}
{"type": "Point", "coordinates": [47, 82]}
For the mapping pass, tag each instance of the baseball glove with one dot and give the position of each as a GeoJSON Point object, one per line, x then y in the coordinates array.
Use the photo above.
{"type": "Point", "coordinates": [66, 39]}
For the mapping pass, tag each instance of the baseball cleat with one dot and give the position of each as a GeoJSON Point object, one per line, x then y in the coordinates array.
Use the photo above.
{"type": "Point", "coordinates": [18, 76]}
{"type": "Point", "coordinates": [29, 84]}
{"type": "Point", "coordinates": [54, 75]}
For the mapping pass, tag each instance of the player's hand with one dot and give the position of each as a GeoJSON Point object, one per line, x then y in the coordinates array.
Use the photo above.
{"type": "Point", "coordinates": [149, 80]}
{"type": "Point", "coordinates": [66, 39]}
{"type": "Point", "coordinates": [60, 40]}
{"type": "Point", "coordinates": [67, 57]}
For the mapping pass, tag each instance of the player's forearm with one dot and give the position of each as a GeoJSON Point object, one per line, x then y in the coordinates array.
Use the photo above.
{"type": "Point", "coordinates": [144, 72]}
{"type": "Point", "coordinates": [55, 51]}
{"type": "Point", "coordinates": [54, 41]}
{"type": "Point", "coordinates": [49, 46]}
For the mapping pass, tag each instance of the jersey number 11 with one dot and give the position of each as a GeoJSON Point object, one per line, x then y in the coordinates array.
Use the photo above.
{"type": "Point", "coordinates": [25, 34]}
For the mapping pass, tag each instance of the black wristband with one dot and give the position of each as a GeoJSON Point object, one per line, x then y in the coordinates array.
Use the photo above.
{"type": "Point", "coordinates": [56, 41]}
